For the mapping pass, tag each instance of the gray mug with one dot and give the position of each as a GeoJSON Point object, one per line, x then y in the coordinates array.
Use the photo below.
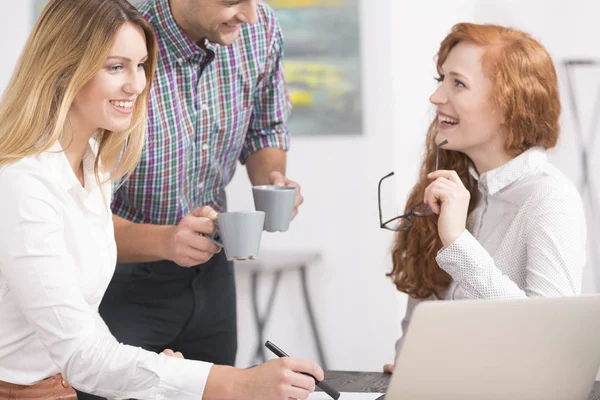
{"type": "Point", "coordinates": [239, 234]}
{"type": "Point", "coordinates": [278, 204]}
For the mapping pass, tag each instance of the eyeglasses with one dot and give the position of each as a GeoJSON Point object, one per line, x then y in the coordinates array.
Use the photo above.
{"type": "Point", "coordinates": [404, 221]}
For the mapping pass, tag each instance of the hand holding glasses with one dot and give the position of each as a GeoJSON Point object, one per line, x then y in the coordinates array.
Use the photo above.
{"type": "Point", "coordinates": [404, 221]}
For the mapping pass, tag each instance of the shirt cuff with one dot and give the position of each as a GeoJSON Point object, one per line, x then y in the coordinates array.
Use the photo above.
{"type": "Point", "coordinates": [278, 138]}
{"type": "Point", "coordinates": [463, 257]}
{"type": "Point", "coordinates": [182, 379]}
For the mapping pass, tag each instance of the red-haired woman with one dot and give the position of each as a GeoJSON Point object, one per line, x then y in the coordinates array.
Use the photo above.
{"type": "Point", "coordinates": [505, 223]}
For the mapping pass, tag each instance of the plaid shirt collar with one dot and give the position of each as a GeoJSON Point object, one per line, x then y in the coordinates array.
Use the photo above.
{"type": "Point", "coordinates": [177, 41]}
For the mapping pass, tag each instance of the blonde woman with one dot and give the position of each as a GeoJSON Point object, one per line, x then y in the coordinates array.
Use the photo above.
{"type": "Point", "coordinates": [73, 121]}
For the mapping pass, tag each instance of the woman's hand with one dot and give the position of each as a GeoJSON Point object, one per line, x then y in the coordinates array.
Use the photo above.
{"type": "Point", "coordinates": [388, 368]}
{"type": "Point", "coordinates": [280, 379]}
{"type": "Point", "coordinates": [171, 353]}
{"type": "Point", "coordinates": [448, 197]}
{"type": "Point", "coordinates": [277, 379]}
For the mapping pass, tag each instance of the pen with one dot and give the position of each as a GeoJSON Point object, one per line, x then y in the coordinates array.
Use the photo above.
{"type": "Point", "coordinates": [325, 387]}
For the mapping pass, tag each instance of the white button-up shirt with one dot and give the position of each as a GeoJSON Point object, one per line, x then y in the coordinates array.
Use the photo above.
{"type": "Point", "coordinates": [526, 237]}
{"type": "Point", "coordinates": [57, 256]}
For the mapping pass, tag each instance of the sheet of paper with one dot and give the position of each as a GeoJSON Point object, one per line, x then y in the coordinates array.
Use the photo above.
{"type": "Point", "coordinates": [345, 396]}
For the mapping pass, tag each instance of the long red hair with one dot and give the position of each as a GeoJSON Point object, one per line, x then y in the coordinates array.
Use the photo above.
{"type": "Point", "coordinates": [525, 90]}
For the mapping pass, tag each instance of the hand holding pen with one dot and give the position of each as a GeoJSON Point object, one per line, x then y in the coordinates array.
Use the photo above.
{"type": "Point", "coordinates": [277, 379]}
{"type": "Point", "coordinates": [318, 380]}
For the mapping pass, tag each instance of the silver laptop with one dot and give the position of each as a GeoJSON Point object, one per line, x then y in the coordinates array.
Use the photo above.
{"type": "Point", "coordinates": [529, 349]}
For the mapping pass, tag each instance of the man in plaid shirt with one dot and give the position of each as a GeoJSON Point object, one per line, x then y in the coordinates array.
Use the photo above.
{"type": "Point", "coordinates": [219, 96]}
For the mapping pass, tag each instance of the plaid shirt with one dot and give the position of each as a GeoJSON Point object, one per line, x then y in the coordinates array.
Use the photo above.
{"type": "Point", "coordinates": [207, 110]}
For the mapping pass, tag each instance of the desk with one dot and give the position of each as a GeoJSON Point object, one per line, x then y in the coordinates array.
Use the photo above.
{"type": "Point", "coordinates": [377, 382]}
{"type": "Point", "coordinates": [276, 264]}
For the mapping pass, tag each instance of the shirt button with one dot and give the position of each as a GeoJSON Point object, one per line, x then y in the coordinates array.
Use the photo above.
{"type": "Point", "coordinates": [201, 185]}
{"type": "Point", "coordinates": [205, 106]}
{"type": "Point", "coordinates": [205, 146]}
{"type": "Point", "coordinates": [180, 60]}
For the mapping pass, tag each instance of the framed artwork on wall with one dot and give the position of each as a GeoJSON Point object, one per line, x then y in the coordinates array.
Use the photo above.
{"type": "Point", "coordinates": [322, 64]}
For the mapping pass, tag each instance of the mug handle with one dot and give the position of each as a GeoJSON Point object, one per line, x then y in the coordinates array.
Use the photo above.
{"type": "Point", "coordinates": [216, 237]}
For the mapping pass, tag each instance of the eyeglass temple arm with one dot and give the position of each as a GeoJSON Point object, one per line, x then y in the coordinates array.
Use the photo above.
{"type": "Point", "coordinates": [437, 152]}
{"type": "Point", "coordinates": [379, 197]}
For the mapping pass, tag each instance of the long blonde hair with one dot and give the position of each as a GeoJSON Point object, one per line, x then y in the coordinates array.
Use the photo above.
{"type": "Point", "coordinates": [525, 88]}
{"type": "Point", "coordinates": [69, 44]}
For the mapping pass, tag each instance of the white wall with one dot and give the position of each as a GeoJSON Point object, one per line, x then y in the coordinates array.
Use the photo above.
{"type": "Point", "coordinates": [15, 24]}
